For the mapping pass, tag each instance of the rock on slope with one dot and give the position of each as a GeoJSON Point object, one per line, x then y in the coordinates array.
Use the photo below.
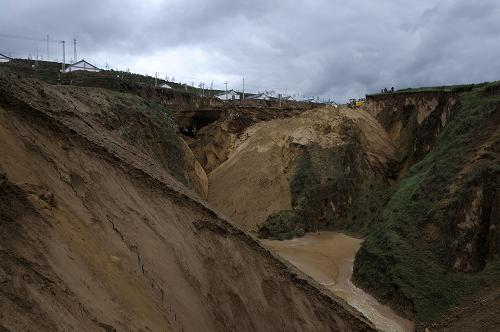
{"type": "Point", "coordinates": [97, 235]}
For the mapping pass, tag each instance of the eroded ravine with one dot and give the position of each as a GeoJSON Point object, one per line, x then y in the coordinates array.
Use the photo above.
{"type": "Point", "coordinates": [328, 258]}
{"type": "Point", "coordinates": [96, 235]}
{"type": "Point", "coordinates": [255, 181]}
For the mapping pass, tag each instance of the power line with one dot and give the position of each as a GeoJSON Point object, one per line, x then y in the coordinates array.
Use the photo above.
{"type": "Point", "coordinates": [5, 35]}
{"type": "Point", "coordinates": [48, 40]}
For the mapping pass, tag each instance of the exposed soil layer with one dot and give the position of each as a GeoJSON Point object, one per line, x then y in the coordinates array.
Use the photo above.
{"type": "Point", "coordinates": [413, 121]}
{"type": "Point", "coordinates": [436, 240]}
{"type": "Point", "coordinates": [215, 142]}
{"type": "Point", "coordinates": [96, 234]}
{"type": "Point", "coordinates": [255, 180]}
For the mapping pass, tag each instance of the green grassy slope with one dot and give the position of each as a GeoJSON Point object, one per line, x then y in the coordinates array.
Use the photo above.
{"type": "Point", "coordinates": [146, 124]}
{"type": "Point", "coordinates": [109, 79]}
{"type": "Point", "coordinates": [407, 260]}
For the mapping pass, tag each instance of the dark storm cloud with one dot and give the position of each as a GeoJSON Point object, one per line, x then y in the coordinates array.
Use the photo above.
{"type": "Point", "coordinates": [320, 47]}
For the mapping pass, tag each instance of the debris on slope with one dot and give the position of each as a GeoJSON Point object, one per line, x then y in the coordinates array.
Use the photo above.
{"type": "Point", "coordinates": [279, 164]}
{"type": "Point", "coordinates": [215, 142]}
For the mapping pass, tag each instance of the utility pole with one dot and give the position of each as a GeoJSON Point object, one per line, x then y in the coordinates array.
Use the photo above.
{"type": "Point", "coordinates": [243, 88]}
{"type": "Point", "coordinates": [48, 54]}
{"type": "Point", "coordinates": [226, 88]}
{"type": "Point", "coordinates": [74, 50]}
{"type": "Point", "coordinates": [64, 55]}
{"type": "Point", "coordinates": [156, 79]}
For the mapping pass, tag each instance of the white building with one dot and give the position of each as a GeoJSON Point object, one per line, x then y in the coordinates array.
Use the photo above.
{"type": "Point", "coordinates": [4, 58]}
{"type": "Point", "coordinates": [229, 95]}
{"type": "Point", "coordinates": [165, 86]}
{"type": "Point", "coordinates": [264, 96]}
{"type": "Point", "coordinates": [304, 99]}
{"type": "Point", "coordinates": [81, 65]}
{"type": "Point", "coordinates": [258, 96]}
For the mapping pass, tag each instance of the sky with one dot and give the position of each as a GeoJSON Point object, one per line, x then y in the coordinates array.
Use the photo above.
{"type": "Point", "coordinates": [328, 48]}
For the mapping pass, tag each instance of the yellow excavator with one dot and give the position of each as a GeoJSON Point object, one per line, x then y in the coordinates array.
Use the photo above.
{"type": "Point", "coordinates": [353, 103]}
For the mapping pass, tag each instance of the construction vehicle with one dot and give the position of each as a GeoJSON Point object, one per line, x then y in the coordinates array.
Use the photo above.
{"type": "Point", "coordinates": [353, 103]}
{"type": "Point", "coordinates": [360, 103]}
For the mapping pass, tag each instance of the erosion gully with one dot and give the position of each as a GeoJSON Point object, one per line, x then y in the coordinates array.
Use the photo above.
{"type": "Point", "coordinates": [328, 258]}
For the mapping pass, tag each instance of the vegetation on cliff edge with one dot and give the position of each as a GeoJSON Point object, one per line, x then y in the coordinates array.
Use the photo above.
{"type": "Point", "coordinates": [407, 260]}
{"type": "Point", "coordinates": [332, 188]}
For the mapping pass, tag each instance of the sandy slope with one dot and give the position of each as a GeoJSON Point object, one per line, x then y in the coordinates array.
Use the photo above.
{"type": "Point", "coordinates": [255, 180]}
{"type": "Point", "coordinates": [94, 235]}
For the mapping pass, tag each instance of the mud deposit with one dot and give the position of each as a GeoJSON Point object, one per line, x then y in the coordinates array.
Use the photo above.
{"type": "Point", "coordinates": [328, 258]}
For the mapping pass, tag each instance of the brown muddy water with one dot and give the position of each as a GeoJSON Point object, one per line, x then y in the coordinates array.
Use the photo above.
{"type": "Point", "coordinates": [328, 258]}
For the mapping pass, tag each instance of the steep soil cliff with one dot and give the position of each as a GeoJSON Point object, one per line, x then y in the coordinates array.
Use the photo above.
{"type": "Point", "coordinates": [437, 239]}
{"type": "Point", "coordinates": [98, 234]}
{"type": "Point", "coordinates": [145, 125]}
{"type": "Point", "coordinates": [412, 120]}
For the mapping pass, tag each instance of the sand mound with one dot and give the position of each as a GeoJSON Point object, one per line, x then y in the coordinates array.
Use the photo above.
{"type": "Point", "coordinates": [255, 180]}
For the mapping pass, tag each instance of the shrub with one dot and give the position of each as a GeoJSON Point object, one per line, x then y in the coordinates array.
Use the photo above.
{"type": "Point", "coordinates": [283, 225]}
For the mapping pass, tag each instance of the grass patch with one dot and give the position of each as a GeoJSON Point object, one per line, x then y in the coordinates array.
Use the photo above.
{"type": "Point", "coordinates": [283, 225]}
{"type": "Point", "coordinates": [459, 88]}
{"type": "Point", "coordinates": [147, 125]}
{"type": "Point", "coordinates": [116, 80]}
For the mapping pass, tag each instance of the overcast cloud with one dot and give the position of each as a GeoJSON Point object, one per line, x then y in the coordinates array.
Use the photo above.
{"type": "Point", "coordinates": [331, 48]}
